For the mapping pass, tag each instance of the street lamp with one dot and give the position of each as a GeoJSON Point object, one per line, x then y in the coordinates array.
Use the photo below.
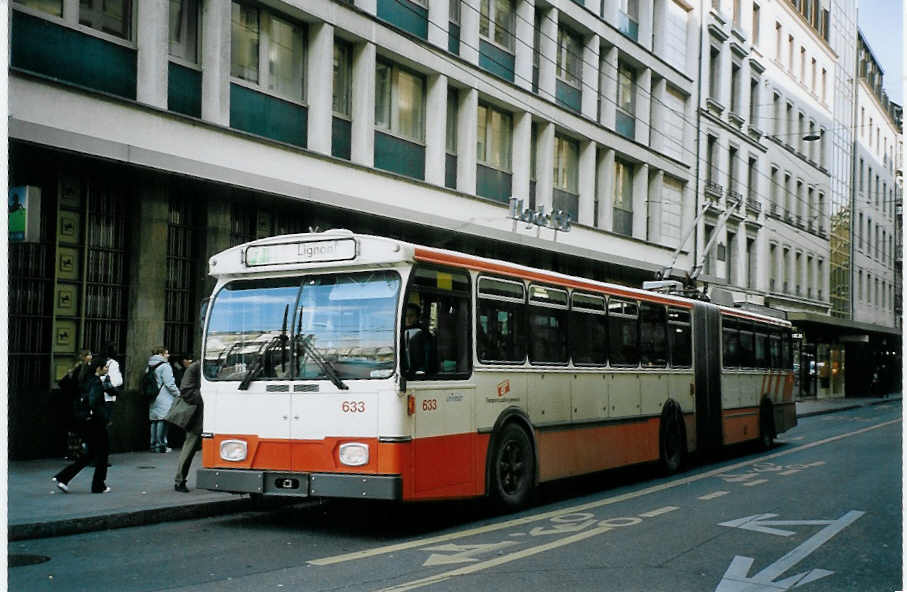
{"type": "Point", "coordinates": [814, 136]}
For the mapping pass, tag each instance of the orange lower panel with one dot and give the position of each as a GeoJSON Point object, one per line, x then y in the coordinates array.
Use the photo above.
{"type": "Point", "coordinates": [431, 468]}
{"type": "Point", "coordinates": [740, 425]}
{"type": "Point", "coordinates": [568, 452]}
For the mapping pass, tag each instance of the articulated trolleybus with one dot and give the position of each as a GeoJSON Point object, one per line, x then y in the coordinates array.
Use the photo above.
{"type": "Point", "coordinates": [345, 365]}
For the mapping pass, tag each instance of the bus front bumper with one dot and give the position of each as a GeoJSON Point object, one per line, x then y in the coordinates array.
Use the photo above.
{"type": "Point", "coordinates": [386, 487]}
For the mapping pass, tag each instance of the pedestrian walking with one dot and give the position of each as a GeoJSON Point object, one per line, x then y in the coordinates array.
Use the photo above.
{"type": "Point", "coordinates": [166, 392]}
{"type": "Point", "coordinates": [71, 389]}
{"type": "Point", "coordinates": [91, 414]}
{"type": "Point", "coordinates": [190, 391]}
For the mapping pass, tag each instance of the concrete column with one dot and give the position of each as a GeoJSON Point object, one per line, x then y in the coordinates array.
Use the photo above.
{"type": "Point", "coordinates": [645, 23]}
{"type": "Point", "coordinates": [548, 59]}
{"type": "Point", "coordinates": [687, 214]}
{"type": "Point", "coordinates": [659, 19]}
{"type": "Point", "coordinates": [438, 21]}
{"type": "Point", "coordinates": [744, 110]}
{"type": "Point", "coordinates": [362, 134]}
{"type": "Point", "coordinates": [605, 174]}
{"type": "Point", "coordinates": [522, 153]}
{"type": "Point", "coordinates": [586, 181]}
{"type": "Point", "coordinates": [469, 32]}
{"type": "Point", "coordinates": [544, 166]}
{"type": "Point", "coordinates": [640, 200]}
{"type": "Point", "coordinates": [436, 129]}
{"type": "Point", "coordinates": [741, 262]}
{"type": "Point", "coordinates": [608, 114]}
{"type": "Point", "coordinates": [152, 41]}
{"type": "Point", "coordinates": [643, 105]}
{"type": "Point", "coordinates": [148, 273]}
{"type": "Point", "coordinates": [655, 207]}
{"type": "Point", "coordinates": [216, 237]}
{"type": "Point", "coordinates": [590, 77]}
{"type": "Point", "coordinates": [320, 87]}
{"type": "Point", "coordinates": [609, 13]}
{"type": "Point", "coordinates": [369, 6]}
{"type": "Point", "coordinates": [657, 132]}
{"type": "Point", "coordinates": [525, 19]}
{"type": "Point", "coordinates": [725, 90]}
{"type": "Point", "coordinates": [216, 25]}
{"type": "Point", "coordinates": [722, 165]}
{"type": "Point", "coordinates": [467, 114]}
{"type": "Point", "coordinates": [692, 65]}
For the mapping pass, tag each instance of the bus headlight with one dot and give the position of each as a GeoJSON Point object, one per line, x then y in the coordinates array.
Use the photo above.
{"type": "Point", "coordinates": [354, 454]}
{"type": "Point", "coordinates": [233, 450]}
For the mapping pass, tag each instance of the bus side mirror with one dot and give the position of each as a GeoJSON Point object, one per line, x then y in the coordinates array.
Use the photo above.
{"type": "Point", "coordinates": [203, 312]}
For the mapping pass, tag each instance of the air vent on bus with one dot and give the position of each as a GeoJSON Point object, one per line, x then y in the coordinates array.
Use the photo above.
{"type": "Point", "coordinates": [305, 388]}
{"type": "Point", "coordinates": [277, 388]}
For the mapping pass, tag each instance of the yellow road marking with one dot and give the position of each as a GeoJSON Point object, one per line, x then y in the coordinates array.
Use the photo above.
{"type": "Point", "coordinates": [356, 555]}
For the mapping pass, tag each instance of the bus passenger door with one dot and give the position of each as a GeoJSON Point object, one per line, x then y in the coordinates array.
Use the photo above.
{"type": "Point", "coordinates": [707, 363]}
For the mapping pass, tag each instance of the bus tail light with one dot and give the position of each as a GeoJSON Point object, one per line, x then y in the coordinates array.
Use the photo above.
{"type": "Point", "coordinates": [233, 450]}
{"type": "Point", "coordinates": [410, 404]}
{"type": "Point", "coordinates": [354, 454]}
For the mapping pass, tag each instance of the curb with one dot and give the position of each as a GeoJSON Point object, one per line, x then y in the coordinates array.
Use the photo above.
{"type": "Point", "coordinates": [848, 407]}
{"type": "Point", "coordinates": [67, 526]}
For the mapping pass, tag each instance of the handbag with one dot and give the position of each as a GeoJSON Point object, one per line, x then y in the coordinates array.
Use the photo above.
{"type": "Point", "coordinates": [180, 413]}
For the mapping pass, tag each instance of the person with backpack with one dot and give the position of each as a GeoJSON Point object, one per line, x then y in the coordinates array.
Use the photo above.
{"type": "Point", "coordinates": [164, 391]}
{"type": "Point", "coordinates": [90, 414]}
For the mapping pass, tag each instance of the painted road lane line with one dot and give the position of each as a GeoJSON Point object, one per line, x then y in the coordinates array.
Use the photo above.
{"type": "Point", "coordinates": [659, 511]}
{"type": "Point", "coordinates": [356, 555]}
{"type": "Point", "coordinates": [757, 482]}
{"type": "Point", "coordinates": [713, 495]}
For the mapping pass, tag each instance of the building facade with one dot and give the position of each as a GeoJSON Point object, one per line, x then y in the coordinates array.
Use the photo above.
{"type": "Point", "coordinates": [154, 134]}
{"type": "Point", "coordinates": [160, 132]}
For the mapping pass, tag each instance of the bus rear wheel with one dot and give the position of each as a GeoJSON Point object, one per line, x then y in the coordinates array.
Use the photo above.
{"type": "Point", "coordinates": [672, 438]}
{"type": "Point", "coordinates": [512, 468]}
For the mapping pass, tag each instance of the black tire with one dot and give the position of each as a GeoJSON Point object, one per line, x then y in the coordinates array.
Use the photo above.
{"type": "Point", "coordinates": [512, 468]}
{"type": "Point", "coordinates": [766, 426]}
{"type": "Point", "coordinates": [672, 443]}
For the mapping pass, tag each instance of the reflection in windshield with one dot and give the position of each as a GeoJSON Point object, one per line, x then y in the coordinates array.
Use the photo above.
{"type": "Point", "coordinates": [348, 319]}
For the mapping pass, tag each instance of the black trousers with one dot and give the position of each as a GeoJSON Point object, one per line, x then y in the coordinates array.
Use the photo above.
{"type": "Point", "coordinates": [98, 449]}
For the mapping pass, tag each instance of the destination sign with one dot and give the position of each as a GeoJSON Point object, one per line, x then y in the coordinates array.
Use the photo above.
{"type": "Point", "coordinates": [301, 252]}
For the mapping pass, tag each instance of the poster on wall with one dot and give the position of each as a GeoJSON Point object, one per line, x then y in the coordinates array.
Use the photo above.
{"type": "Point", "coordinates": [24, 214]}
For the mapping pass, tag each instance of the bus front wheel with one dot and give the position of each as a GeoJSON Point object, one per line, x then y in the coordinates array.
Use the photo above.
{"type": "Point", "coordinates": [512, 468]}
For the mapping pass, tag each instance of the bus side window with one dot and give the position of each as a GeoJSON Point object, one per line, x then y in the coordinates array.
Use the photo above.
{"type": "Point", "coordinates": [623, 332]}
{"type": "Point", "coordinates": [653, 347]}
{"type": "Point", "coordinates": [680, 339]}
{"type": "Point", "coordinates": [501, 321]}
{"type": "Point", "coordinates": [547, 325]}
{"type": "Point", "coordinates": [730, 338]}
{"type": "Point", "coordinates": [588, 330]}
{"type": "Point", "coordinates": [761, 349]}
{"type": "Point", "coordinates": [786, 357]}
{"type": "Point", "coordinates": [774, 348]}
{"type": "Point", "coordinates": [746, 357]}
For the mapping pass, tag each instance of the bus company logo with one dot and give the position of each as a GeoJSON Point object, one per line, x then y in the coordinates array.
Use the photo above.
{"type": "Point", "coordinates": [503, 388]}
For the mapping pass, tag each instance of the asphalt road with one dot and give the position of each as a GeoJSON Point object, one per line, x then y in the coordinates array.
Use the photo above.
{"type": "Point", "coordinates": [821, 511]}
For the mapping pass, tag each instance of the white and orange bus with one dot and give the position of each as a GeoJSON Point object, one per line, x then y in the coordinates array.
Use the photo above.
{"type": "Point", "coordinates": [345, 365]}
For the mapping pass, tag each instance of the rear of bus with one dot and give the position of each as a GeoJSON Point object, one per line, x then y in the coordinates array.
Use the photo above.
{"type": "Point", "coordinates": [299, 368]}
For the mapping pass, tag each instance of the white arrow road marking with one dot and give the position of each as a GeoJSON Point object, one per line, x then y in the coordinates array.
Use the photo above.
{"type": "Point", "coordinates": [736, 580]}
{"type": "Point", "coordinates": [461, 553]}
{"type": "Point", "coordinates": [758, 523]}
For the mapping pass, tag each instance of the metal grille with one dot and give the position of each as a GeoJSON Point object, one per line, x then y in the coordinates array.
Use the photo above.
{"type": "Point", "coordinates": [242, 224]}
{"type": "Point", "coordinates": [31, 278]}
{"type": "Point", "coordinates": [106, 284]}
{"type": "Point", "coordinates": [182, 270]}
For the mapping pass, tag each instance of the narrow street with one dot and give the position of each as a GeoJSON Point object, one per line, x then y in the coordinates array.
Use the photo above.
{"type": "Point", "coordinates": [820, 511]}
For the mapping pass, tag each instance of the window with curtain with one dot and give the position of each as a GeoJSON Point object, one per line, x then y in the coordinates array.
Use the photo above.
{"type": "Point", "coordinates": [399, 101]}
{"type": "Point", "coordinates": [566, 164]}
{"type": "Point", "coordinates": [496, 22]}
{"type": "Point", "coordinates": [184, 30]}
{"type": "Point", "coordinates": [494, 137]}
{"type": "Point", "coordinates": [267, 51]}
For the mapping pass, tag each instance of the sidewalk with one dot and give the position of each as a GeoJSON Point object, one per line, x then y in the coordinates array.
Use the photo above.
{"type": "Point", "coordinates": [142, 489]}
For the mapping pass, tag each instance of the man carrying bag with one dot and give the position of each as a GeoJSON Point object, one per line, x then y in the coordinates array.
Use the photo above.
{"type": "Point", "coordinates": [187, 412]}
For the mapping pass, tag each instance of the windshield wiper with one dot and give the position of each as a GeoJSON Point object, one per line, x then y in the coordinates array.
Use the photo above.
{"type": "Point", "coordinates": [325, 365]}
{"type": "Point", "coordinates": [258, 365]}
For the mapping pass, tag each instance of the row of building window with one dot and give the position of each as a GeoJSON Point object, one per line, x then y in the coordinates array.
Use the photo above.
{"type": "Point", "coordinates": [799, 280]}
{"type": "Point", "coordinates": [878, 244]}
{"type": "Point", "coordinates": [883, 198]}
{"type": "Point", "coordinates": [879, 293]}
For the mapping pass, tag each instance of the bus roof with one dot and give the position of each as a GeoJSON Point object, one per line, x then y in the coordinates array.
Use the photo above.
{"type": "Point", "coordinates": [290, 253]}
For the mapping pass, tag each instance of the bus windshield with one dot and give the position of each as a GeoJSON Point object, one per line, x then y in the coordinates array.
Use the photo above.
{"type": "Point", "coordinates": [331, 326]}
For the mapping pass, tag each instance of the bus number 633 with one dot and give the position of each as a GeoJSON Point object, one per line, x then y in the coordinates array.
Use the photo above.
{"type": "Point", "coordinates": [353, 407]}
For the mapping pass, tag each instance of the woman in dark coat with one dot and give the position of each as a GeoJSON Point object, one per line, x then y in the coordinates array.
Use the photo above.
{"type": "Point", "coordinates": [92, 417]}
